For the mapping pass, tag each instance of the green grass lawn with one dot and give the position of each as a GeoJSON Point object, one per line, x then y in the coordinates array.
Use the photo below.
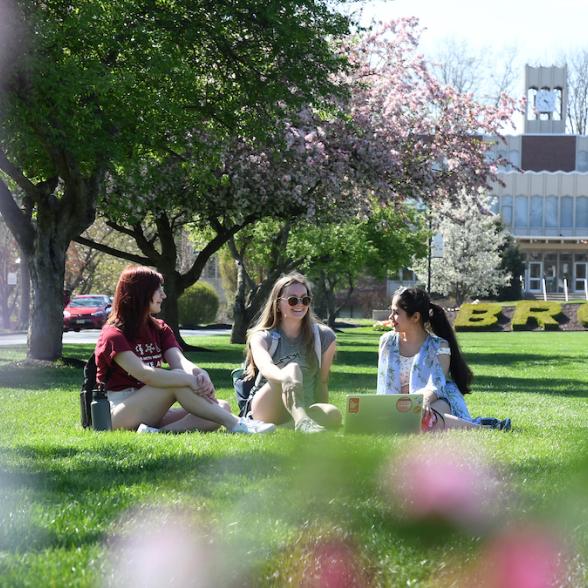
{"type": "Point", "coordinates": [287, 510]}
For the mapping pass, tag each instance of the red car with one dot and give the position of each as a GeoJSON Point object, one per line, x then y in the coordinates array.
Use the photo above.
{"type": "Point", "coordinates": [88, 311]}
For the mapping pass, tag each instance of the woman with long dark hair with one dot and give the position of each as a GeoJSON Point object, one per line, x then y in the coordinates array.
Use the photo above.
{"type": "Point", "coordinates": [422, 355]}
{"type": "Point", "coordinates": [129, 354]}
{"type": "Point", "coordinates": [294, 353]}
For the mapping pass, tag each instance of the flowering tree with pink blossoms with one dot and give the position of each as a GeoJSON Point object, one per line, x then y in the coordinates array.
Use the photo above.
{"type": "Point", "coordinates": [405, 137]}
{"type": "Point", "coordinates": [397, 134]}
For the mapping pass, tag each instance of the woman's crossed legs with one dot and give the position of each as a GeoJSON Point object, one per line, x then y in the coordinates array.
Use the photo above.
{"type": "Point", "coordinates": [277, 403]}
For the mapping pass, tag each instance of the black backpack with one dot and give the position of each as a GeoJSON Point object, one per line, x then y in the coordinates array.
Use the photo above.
{"type": "Point", "coordinates": [89, 386]}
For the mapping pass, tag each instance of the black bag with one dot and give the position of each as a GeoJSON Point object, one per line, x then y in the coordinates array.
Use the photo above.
{"type": "Point", "coordinates": [87, 391]}
{"type": "Point", "coordinates": [242, 388]}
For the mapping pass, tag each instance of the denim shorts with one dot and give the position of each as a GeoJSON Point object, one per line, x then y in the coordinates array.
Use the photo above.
{"type": "Point", "coordinates": [118, 397]}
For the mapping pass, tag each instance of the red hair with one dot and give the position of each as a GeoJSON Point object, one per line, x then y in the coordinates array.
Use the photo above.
{"type": "Point", "coordinates": [132, 299]}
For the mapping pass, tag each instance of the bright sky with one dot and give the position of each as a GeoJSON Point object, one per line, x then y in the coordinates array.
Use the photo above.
{"type": "Point", "coordinates": [540, 29]}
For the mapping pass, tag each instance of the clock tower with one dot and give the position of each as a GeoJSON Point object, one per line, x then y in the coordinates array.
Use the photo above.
{"type": "Point", "coordinates": [546, 90]}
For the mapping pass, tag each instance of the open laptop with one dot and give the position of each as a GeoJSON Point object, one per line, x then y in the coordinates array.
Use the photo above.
{"type": "Point", "coordinates": [380, 414]}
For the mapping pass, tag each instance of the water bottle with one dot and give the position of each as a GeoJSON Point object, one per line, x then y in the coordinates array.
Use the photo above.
{"type": "Point", "coordinates": [100, 409]}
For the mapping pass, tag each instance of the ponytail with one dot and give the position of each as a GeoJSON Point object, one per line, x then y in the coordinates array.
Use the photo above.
{"type": "Point", "coordinates": [417, 300]}
{"type": "Point", "coordinates": [460, 372]}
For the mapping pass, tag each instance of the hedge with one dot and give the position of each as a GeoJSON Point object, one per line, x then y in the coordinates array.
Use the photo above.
{"type": "Point", "coordinates": [531, 313]}
{"type": "Point", "coordinates": [583, 314]}
{"type": "Point", "coordinates": [477, 316]}
{"type": "Point", "coordinates": [198, 305]}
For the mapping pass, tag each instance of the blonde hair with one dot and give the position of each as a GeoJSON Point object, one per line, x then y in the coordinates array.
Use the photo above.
{"type": "Point", "coordinates": [270, 318]}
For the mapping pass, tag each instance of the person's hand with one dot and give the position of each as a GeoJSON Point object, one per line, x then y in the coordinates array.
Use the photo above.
{"type": "Point", "coordinates": [203, 385]}
{"type": "Point", "coordinates": [290, 381]}
{"type": "Point", "coordinates": [429, 397]}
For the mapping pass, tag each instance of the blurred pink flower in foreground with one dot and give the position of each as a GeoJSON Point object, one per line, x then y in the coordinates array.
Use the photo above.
{"type": "Point", "coordinates": [160, 547]}
{"type": "Point", "coordinates": [329, 562]}
{"type": "Point", "coordinates": [522, 557]}
{"type": "Point", "coordinates": [443, 481]}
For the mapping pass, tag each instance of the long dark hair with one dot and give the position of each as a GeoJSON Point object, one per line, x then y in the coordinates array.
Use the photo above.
{"type": "Point", "coordinates": [413, 300]}
{"type": "Point", "coordinates": [132, 299]}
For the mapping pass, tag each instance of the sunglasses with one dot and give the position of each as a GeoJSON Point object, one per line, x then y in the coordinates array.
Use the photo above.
{"type": "Point", "coordinates": [294, 300]}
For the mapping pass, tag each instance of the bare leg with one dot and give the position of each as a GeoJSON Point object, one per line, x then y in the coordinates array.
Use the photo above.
{"type": "Point", "coordinates": [451, 422]}
{"type": "Point", "coordinates": [327, 415]}
{"type": "Point", "coordinates": [179, 421]}
{"type": "Point", "coordinates": [149, 405]}
{"type": "Point", "coordinates": [275, 403]}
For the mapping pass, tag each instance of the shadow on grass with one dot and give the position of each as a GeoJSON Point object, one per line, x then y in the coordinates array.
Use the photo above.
{"type": "Point", "coordinates": [98, 485]}
{"type": "Point", "coordinates": [40, 379]}
{"type": "Point", "coordinates": [544, 386]}
{"type": "Point", "coordinates": [505, 359]}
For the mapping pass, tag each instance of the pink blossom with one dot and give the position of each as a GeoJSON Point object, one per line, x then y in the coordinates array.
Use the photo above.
{"type": "Point", "coordinates": [443, 481]}
{"type": "Point", "coordinates": [522, 557]}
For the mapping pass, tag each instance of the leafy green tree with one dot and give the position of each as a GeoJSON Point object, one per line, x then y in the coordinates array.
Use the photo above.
{"type": "Point", "coordinates": [332, 255]}
{"type": "Point", "coordinates": [93, 86]}
{"type": "Point", "coordinates": [340, 253]}
{"type": "Point", "coordinates": [513, 263]}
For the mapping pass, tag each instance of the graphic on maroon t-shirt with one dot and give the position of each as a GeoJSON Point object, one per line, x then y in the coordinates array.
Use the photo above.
{"type": "Point", "coordinates": [149, 346]}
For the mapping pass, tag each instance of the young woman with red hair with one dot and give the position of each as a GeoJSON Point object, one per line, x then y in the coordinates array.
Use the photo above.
{"type": "Point", "coordinates": [129, 353]}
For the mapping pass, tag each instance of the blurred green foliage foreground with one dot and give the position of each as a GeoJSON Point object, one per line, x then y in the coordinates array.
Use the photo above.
{"type": "Point", "coordinates": [79, 508]}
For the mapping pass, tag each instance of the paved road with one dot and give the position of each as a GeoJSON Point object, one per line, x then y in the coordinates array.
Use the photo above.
{"type": "Point", "coordinates": [91, 336]}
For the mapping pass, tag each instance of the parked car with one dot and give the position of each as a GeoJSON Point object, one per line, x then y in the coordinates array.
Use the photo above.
{"type": "Point", "coordinates": [88, 311]}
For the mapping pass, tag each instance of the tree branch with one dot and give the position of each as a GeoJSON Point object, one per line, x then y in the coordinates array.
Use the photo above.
{"type": "Point", "coordinates": [18, 221]}
{"type": "Point", "coordinates": [16, 174]}
{"type": "Point", "coordinates": [114, 252]}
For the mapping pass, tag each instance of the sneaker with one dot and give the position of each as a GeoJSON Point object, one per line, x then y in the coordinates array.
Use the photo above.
{"type": "Point", "coordinates": [142, 428]}
{"type": "Point", "coordinates": [252, 427]}
{"type": "Point", "coordinates": [307, 425]}
{"type": "Point", "coordinates": [488, 422]}
{"type": "Point", "coordinates": [505, 425]}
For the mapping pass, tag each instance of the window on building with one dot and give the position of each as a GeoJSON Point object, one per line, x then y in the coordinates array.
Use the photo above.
{"type": "Point", "coordinates": [211, 269]}
{"type": "Point", "coordinates": [582, 161]}
{"type": "Point", "coordinates": [551, 216]}
{"type": "Point", "coordinates": [566, 212]}
{"type": "Point", "coordinates": [506, 210]}
{"type": "Point", "coordinates": [556, 114]}
{"type": "Point", "coordinates": [521, 211]}
{"type": "Point", "coordinates": [582, 212]}
{"type": "Point", "coordinates": [514, 156]}
{"type": "Point", "coordinates": [536, 217]}
{"type": "Point", "coordinates": [531, 112]}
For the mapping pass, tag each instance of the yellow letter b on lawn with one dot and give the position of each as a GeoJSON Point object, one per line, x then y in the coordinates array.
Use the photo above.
{"type": "Point", "coordinates": [477, 316]}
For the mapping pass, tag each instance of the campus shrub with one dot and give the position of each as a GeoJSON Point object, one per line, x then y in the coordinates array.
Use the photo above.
{"type": "Point", "coordinates": [198, 305]}
{"type": "Point", "coordinates": [583, 314]}
{"type": "Point", "coordinates": [477, 316]}
{"type": "Point", "coordinates": [533, 313]}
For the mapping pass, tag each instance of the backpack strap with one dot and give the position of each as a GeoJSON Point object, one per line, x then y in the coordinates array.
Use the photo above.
{"type": "Point", "coordinates": [272, 349]}
{"type": "Point", "coordinates": [317, 343]}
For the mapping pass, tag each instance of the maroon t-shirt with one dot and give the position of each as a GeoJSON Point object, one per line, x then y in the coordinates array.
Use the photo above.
{"type": "Point", "coordinates": [149, 346]}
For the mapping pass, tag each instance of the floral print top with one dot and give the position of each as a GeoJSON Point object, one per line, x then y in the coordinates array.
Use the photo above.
{"type": "Point", "coordinates": [426, 372]}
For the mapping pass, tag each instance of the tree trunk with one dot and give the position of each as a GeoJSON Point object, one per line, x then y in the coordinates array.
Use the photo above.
{"type": "Point", "coordinates": [25, 293]}
{"type": "Point", "coordinates": [47, 270]}
{"type": "Point", "coordinates": [241, 313]}
{"type": "Point", "coordinates": [331, 307]}
{"type": "Point", "coordinates": [248, 304]}
{"type": "Point", "coordinates": [169, 311]}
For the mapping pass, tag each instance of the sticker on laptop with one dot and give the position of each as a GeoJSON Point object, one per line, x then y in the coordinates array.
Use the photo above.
{"type": "Point", "coordinates": [403, 404]}
{"type": "Point", "coordinates": [353, 405]}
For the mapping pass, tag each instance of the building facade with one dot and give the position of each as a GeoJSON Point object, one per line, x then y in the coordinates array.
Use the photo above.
{"type": "Point", "coordinates": [543, 201]}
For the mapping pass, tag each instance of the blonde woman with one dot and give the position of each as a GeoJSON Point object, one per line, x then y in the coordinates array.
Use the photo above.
{"type": "Point", "coordinates": [294, 354]}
